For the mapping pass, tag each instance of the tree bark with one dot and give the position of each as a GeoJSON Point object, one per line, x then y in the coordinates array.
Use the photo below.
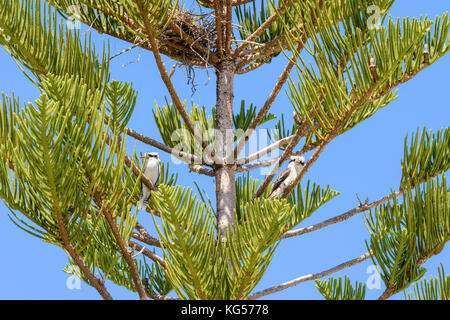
{"type": "Point", "coordinates": [226, 170]}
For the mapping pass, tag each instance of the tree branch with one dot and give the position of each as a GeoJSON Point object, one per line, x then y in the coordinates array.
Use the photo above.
{"type": "Point", "coordinates": [218, 15]}
{"type": "Point", "coordinates": [67, 245]}
{"type": "Point", "coordinates": [261, 52]}
{"type": "Point", "coordinates": [194, 43]}
{"type": "Point", "coordinates": [125, 253]}
{"type": "Point", "coordinates": [261, 29]}
{"type": "Point", "coordinates": [282, 142]}
{"type": "Point", "coordinates": [148, 183]}
{"type": "Point", "coordinates": [366, 97]}
{"type": "Point", "coordinates": [147, 253]}
{"type": "Point", "coordinates": [120, 242]}
{"type": "Point", "coordinates": [389, 292]}
{"type": "Point", "coordinates": [250, 67]}
{"type": "Point", "coordinates": [201, 170]}
{"type": "Point", "coordinates": [145, 237]}
{"type": "Point", "coordinates": [269, 162]}
{"type": "Point", "coordinates": [233, 2]}
{"type": "Point", "coordinates": [228, 27]}
{"type": "Point", "coordinates": [183, 156]}
{"type": "Point", "coordinates": [265, 108]}
{"type": "Point", "coordinates": [287, 152]}
{"type": "Point", "coordinates": [340, 218]}
{"type": "Point", "coordinates": [166, 79]}
{"type": "Point", "coordinates": [96, 283]}
{"type": "Point", "coordinates": [261, 47]}
{"type": "Point", "coordinates": [330, 136]}
{"type": "Point", "coordinates": [240, 2]}
{"type": "Point", "coordinates": [263, 152]}
{"type": "Point", "coordinates": [154, 296]}
{"type": "Point", "coordinates": [309, 277]}
{"type": "Point", "coordinates": [147, 240]}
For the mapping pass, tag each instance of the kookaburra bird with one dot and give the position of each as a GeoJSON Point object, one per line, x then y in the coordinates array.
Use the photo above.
{"type": "Point", "coordinates": [287, 176]}
{"type": "Point", "coordinates": [152, 172]}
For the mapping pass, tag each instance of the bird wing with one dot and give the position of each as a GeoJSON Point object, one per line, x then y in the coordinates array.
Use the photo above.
{"type": "Point", "coordinates": [283, 176]}
{"type": "Point", "coordinates": [159, 173]}
{"type": "Point", "coordinates": [144, 174]}
{"type": "Point", "coordinates": [142, 184]}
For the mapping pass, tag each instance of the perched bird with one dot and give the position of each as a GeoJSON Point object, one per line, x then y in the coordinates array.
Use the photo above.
{"type": "Point", "coordinates": [287, 176]}
{"type": "Point", "coordinates": [152, 171]}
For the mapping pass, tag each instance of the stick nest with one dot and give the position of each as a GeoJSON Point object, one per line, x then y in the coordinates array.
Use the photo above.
{"type": "Point", "coordinates": [176, 39]}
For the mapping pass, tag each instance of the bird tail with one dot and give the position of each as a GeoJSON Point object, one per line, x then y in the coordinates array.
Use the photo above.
{"type": "Point", "coordinates": [143, 202]}
{"type": "Point", "coordinates": [275, 193]}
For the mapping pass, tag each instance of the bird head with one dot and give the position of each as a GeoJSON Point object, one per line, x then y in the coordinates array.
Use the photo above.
{"type": "Point", "coordinates": [297, 161]}
{"type": "Point", "coordinates": [151, 155]}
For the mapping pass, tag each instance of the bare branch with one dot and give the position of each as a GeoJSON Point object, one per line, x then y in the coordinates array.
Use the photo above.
{"type": "Point", "coordinates": [286, 154]}
{"type": "Point", "coordinates": [269, 162]}
{"type": "Point", "coordinates": [145, 237]}
{"type": "Point", "coordinates": [128, 49]}
{"type": "Point", "coordinates": [147, 253]}
{"type": "Point", "coordinates": [240, 2]}
{"type": "Point", "coordinates": [261, 47]}
{"type": "Point", "coordinates": [201, 170]}
{"type": "Point", "coordinates": [267, 150]}
{"type": "Point", "coordinates": [172, 71]}
{"type": "Point", "coordinates": [309, 277]}
{"type": "Point", "coordinates": [250, 67]}
{"type": "Point", "coordinates": [183, 156]}
{"type": "Point", "coordinates": [147, 240]}
{"type": "Point", "coordinates": [341, 217]}
{"type": "Point", "coordinates": [258, 164]}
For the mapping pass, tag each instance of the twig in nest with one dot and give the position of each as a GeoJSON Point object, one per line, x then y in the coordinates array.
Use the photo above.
{"type": "Point", "coordinates": [128, 49]}
{"type": "Point", "coordinates": [135, 61]}
{"type": "Point", "coordinates": [187, 30]}
{"type": "Point", "coordinates": [172, 71]}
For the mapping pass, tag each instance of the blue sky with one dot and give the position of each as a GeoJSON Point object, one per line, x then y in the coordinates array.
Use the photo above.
{"type": "Point", "coordinates": [364, 161]}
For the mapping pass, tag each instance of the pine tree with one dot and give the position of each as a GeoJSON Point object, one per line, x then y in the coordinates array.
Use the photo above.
{"type": "Point", "coordinates": [68, 180]}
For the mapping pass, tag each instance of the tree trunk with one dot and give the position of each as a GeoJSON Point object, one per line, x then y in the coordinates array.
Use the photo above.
{"type": "Point", "coordinates": [225, 171]}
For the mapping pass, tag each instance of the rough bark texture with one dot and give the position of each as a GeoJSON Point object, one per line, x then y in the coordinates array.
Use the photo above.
{"type": "Point", "coordinates": [225, 172]}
